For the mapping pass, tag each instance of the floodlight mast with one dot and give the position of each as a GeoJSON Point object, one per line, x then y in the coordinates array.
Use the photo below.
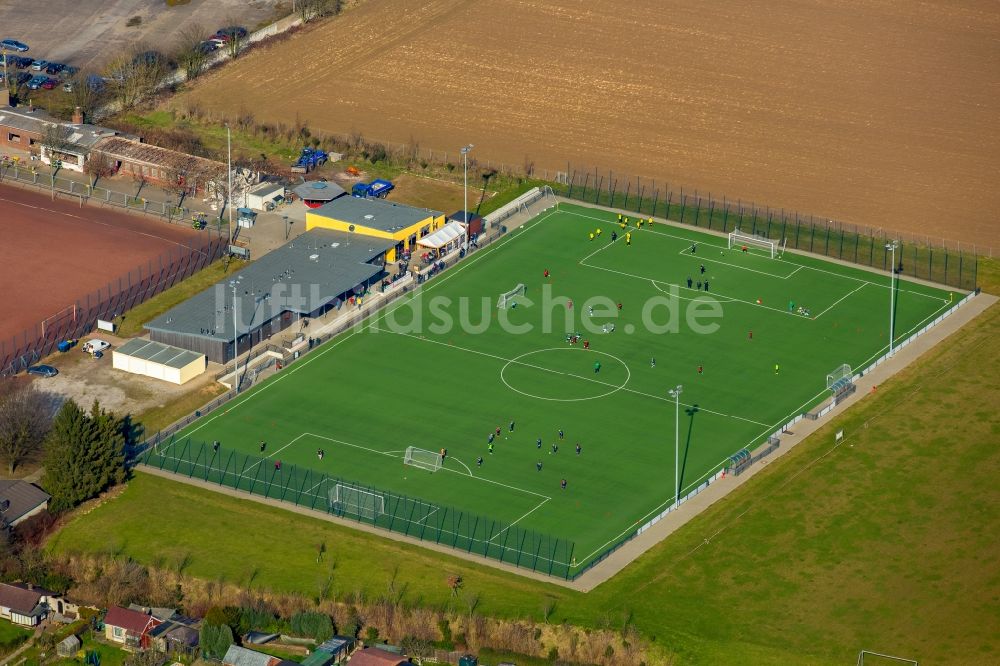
{"type": "Point", "coordinates": [465, 159]}
{"type": "Point", "coordinates": [892, 294]}
{"type": "Point", "coordinates": [675, 393]}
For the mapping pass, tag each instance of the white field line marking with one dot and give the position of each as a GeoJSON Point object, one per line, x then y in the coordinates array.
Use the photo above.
{"type": "Point", "coordinates": [477, 478]}
{"type": "Point", "coordinates": [714, 297]}
{"type": "Point", "coordinates": [90, 221]}
{"type": "Point", "coordinates": [812, 268]}
{"type": "Point", "coordinates": [540, 504]}
{"type": "Point", "coordinates": [274, 454]}
{"type": "Point", "coordinates": [704, 259]}
{"type": "Point", "coordinates": [356, 329]}
{"type": "Point", "coordinates": [728, 299]}
{"type": "Point", "coordinates": [566, 374]}
{"type": "Point", "coordinates": [468, 471]}
{"type": "Point", "coordinates": [863, 285]}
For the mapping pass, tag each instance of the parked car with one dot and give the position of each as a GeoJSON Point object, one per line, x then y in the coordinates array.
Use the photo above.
{"type": "Point", "coordinates": [96, 83]}
{"type": "Point", "coordinates": [21, 62]}
{"type": "Point", "coordinates": [39, 65]}
{"type": "Point", "coordinates": [149, 58]}
{"type": "Point", "coordinates": [209, 46]}
{"type": "Point", "coordinates": [54, 68]}
{"type": "Point", "coordinates": [43, 371]}
{"type": "Point", "coordinates": [232, 30]}
{"type": "Point", "coordinates": [67, 72]}
{"type": "Point", "coordinates": [96, 345]}
{"type": "Point", "coordinates": [36, 82]}
{"type": "Point", "coordinates": [68, 86]}
{"type": "Point", "coordinates": [14, 45]}
{"type": "Point", "coordinates": [49, 84]}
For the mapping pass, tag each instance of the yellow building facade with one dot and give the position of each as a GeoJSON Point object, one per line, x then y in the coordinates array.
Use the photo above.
{"type": "Point", "coordinates": [379, 218]}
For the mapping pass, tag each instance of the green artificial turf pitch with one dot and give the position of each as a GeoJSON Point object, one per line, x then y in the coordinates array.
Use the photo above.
{"type": "Point", "coordinates": [444, 367]}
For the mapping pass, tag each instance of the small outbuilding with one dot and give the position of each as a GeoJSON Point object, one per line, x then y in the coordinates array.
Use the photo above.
{"type": "Point", "coordinates": [315, 193]}
{"type": "Point", "coordinates": [474, 223]}
{"type": "Point", "coordinates": [376, 657]}
{"type": "Point", "coordinates": [158, 360]}
{"type": "Point", "coordinates": [20, 500]}
{"type": "Point", "coordinates": [68, 647]}
{"type": "Point", "coordinates": [264, 196]}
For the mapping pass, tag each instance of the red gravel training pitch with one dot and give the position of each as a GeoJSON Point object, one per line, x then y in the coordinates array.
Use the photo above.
{"type": "Point", "coordinates": [55, 252]}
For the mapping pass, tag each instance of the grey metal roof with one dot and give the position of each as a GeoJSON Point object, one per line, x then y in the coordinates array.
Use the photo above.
{"type": "Point", "coordinates": [23, 497]}
{"type": "Point", "coordinates": [319, 190]}
{"type": "Point", "coordinates": [157, 352]}
{"type": "Point", "coordinates": [300, 276]}
{"type": "Point", "coordinates": [374, 213]}
{"type": "Point", "coordinates": [38, 121]}
{"type": "Point", "coordinates": [240, 656]}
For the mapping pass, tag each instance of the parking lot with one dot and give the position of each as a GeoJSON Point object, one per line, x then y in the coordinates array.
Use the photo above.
{"type": "Point", "coordinates": [87, 34]}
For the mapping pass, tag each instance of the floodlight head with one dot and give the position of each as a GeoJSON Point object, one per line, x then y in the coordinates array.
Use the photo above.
{"type": "Point", "coordinates": [465, 149]}
{"type": "Point", "coordinates": [892, 246]}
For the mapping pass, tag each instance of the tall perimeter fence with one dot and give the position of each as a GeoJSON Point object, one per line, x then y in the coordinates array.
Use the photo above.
{"type": "Point", "coordinates": [363, 503]}
{"type": "Point", "coordinates": [116, 297]}
{"type": "Point", "coordinates": [917, 256]}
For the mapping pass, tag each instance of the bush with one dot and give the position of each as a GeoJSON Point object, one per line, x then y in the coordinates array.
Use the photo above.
{"type": "Point", "coordinates": [317, 626]}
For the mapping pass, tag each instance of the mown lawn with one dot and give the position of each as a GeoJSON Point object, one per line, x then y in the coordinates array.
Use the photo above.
{"type": "Point", "coordinates": [132, 322]}
{"type": "Point", "coordinates": [885, 542]}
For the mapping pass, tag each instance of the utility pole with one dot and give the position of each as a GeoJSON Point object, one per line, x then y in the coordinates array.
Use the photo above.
{"type": "Point", "coordinates": [229, 193]}
{"type": "Point", "coordinates": [236, 349]}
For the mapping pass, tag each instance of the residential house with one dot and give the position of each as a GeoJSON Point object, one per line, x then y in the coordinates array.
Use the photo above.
{"type": "Point", "coordinates": [20, 500]}
{"type": "Point", "coordinates": [129, 627]}
{"type": "Point", "coordinates": [377, 657]}
{"type": "Point", "coordinates": [27, 605]}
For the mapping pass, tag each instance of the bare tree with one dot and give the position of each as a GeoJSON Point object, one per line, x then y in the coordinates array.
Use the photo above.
{"type": "Point", "coordinates": [57, 137]}
{"type": "Point", "coordinates": [98, 165]}
{"type": "Point", "coordinates": [189, 50]}
{"type": "Point", "coordinates": [88, 91]}
{"type": "Point", "coordinates": [136, 73]}
{"type": "Point", "coordinates": [25, 420]}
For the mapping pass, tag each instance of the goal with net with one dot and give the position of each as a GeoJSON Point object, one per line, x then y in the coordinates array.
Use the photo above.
{"type": "Point", "coordinates": [507, 298]}
{"type": "Point", "coordinates": [422, 458]}
{"type": "Point", "coordinates": [740, 240]}
{"type": "Point", "coordinates": [353, 501]}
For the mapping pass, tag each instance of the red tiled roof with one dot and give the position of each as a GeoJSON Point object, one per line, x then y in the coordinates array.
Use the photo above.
{"type": "Point", "coordinates": [130, 620]}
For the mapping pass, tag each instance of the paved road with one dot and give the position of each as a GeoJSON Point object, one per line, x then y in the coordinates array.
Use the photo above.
{"type": "Point", "coordinates": [87, 34]}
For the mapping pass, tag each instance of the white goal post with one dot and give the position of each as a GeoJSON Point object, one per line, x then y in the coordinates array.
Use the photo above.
{"type": "Point", "coordinates": [506, 298]}
{"type": "Point", "coordinates": [739, 239]}
{"type": "Point", "coordinates": [422, 458]}
{"type": "Point", "coordinates": [356, 502]}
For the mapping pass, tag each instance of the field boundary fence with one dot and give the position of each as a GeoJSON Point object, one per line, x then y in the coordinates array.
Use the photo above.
{"type": "Point", "coordinates": [115, 298]}
{"type": "Point", "coordinates": [398, 513]}
{"type": "Point", "coordinates": [12, 173]}
{"type": "Point", "coordinates": [917, 256]}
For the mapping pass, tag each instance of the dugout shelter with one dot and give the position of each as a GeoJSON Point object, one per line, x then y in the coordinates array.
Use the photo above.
{"type": "Point", "coordinates": [304, 278]}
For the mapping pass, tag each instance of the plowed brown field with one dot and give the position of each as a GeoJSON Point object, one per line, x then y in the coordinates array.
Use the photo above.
{"type": "Point", "coordinates": [878, 112]}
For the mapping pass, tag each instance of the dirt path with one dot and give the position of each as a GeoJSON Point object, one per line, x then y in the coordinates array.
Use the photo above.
{"type": "Point", "coordinates": [874, 112]}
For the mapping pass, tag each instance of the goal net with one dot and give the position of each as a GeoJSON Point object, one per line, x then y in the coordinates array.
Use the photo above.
{"type": "Point", "coordinates": [356, 502]}
{"type": "Point", "coordinates": [422, 458]}
{"type": "Point", "coordinates": [739, 239]}
{"type": "Point", "coordinates": [507, 298]}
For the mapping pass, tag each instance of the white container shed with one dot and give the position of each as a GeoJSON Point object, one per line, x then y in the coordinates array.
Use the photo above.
{"type": "Point", "coordinates": [160, 361]}
{"type": "Point", "coordinates": [261, 194]}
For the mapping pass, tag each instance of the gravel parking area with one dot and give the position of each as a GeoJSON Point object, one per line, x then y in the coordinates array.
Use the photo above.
{"type": "Point", "coordinates": [87, 34]}
{"type": "Point", "coordinates": [84, 378]}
